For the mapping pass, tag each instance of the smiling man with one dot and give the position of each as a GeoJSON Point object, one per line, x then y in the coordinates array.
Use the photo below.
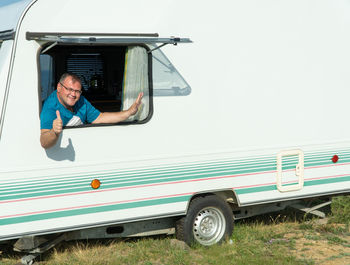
{"type": "Point", "coordinates": [66, 107]}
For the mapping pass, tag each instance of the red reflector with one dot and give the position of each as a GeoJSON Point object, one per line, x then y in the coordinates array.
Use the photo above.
{"type": "Point", "coordinates": [335, 159]}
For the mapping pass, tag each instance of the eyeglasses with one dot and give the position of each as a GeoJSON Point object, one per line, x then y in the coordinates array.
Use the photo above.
{"type": "Point", "coordinates": [71, 90]}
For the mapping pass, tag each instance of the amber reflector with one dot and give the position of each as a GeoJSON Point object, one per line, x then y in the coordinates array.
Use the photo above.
{"type": "Point", "coordinates": [95, 184]}
{"type": "Point", "coordinates": [335, 159]}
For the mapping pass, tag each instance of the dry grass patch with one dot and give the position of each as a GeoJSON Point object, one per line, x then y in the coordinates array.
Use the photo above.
{"type": "Point", "coordinates": [322, 247]}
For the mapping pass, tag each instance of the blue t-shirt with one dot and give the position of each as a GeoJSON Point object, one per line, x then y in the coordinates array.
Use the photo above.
{"type": "Point", "coordinates": [83, 110]}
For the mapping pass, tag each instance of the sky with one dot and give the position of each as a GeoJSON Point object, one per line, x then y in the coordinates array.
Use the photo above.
{"type": "Point", "coordinates": [6, 2]}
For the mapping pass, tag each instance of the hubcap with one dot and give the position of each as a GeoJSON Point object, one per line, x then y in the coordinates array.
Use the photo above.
{"type": "Point", "coordinates": [209, 226]}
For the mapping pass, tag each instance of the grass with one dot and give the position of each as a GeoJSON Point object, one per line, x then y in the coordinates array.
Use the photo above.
{"type": "Point", "coordinates": [341, 209]}
{"type": "Point", "coordinates": [270, 239]}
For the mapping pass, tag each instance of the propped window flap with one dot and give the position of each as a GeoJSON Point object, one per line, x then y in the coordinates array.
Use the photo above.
{"type": "Point", "coordinates": [167, 81]}
{"type": "Point", "coordinates": [91, 38]}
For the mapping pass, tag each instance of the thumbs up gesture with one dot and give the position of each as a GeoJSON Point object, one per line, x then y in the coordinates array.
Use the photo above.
{"type": "Point", "coordinates": [57, 124]}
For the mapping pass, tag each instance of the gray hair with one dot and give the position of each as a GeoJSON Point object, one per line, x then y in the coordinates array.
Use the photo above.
{"type": "Point", "coordinates": [74, 77]}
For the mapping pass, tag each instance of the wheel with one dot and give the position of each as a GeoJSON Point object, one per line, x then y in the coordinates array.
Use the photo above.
{"type": "Point", "coordinates": [209, 220]}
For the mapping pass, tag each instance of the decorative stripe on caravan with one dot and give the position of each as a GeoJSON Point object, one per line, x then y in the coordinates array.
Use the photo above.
{"type": "Point", "coordinates": [87, 209]}
{"type": "Point", "coordinates": [56, 186]}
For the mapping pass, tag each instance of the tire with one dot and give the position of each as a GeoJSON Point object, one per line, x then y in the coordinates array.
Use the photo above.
{"type": "Point", "coordinates": [209, 221]}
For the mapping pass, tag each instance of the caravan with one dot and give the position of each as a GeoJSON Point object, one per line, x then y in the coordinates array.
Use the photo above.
{"type": "Point", "coordinates": [245, 111]}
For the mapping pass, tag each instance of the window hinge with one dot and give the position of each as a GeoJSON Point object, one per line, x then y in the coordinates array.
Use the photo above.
{"type": "Point", "coordinates": [49, 47]}
{"type": "Point", "coordinates": [158, 47]}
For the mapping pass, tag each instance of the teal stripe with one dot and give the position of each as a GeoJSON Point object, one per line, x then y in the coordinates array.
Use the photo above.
{"type": "Point", "coordinates": [149, 171]}
{"type": "Point", "coordinates": [138, 175]}
{"type": "Point", "coordinates": [255, 189]}
{"type": "Point", "coordinates": [306, 183]}
{"type": "Point", "coordinates": [326, 181]}
{"type": "Point", "coordinates": [155, 178]}
{"type": "Point", "coordinates": [152, 176]}
{"type": "Point", "coordinates": [107, 208]}
{"type": "Point", "coordinates": [125, 184]}
{"type": "Point", "coordinates": [141, 181]}
{"type": "Point", "coordinates": [155, 174]}
{"type": "Point", "coordinates": [230, 163]}
{"type": "Point", "coordinates": [44, 216]}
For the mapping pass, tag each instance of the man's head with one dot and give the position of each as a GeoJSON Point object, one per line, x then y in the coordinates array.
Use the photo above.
{"type": "Point", "coordinates": [69, 90]}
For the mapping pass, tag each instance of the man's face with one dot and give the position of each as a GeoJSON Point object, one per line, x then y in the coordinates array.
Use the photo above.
{"type": "Point", "coordinates": [67, 92]}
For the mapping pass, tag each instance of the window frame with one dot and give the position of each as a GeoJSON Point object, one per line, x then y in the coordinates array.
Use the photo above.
{"type": "Point", "coordinates": [150, 82]}
{"type": "Point", "coordinates": [48, 40]}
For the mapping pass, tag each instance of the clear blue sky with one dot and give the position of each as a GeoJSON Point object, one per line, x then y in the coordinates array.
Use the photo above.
{"type": "Point", "coordinates": [6, 2]}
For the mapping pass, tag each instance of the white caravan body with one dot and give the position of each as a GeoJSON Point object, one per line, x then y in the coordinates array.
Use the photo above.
{"type": "Point", "coordinates": [261, 117]}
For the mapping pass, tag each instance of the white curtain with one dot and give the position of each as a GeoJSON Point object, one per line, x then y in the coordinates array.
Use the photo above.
{"type": "Point", "coordinates": [136, 81]}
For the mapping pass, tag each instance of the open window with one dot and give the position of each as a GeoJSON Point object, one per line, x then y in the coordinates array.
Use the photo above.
{"type": "Point", "coordinates": [114, 69]}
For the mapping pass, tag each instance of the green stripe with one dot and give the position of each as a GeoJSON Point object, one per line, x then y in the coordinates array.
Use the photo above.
{"type": "Point", "coordinates": [151, 176]}
{"type": "Point", "coordinates": [306, 183]}
{"type": "Point", "coordinates": [155, 174]}
{"type": "Point", "coordinates": [114, 207]}
{"type": "Point", "coordinates": [107, 208]}
{"type": "Point", "coordinates": [231, 163]}
{"type": "Point", "coordinates": [141, 181]}
{"type": "Point", "coordinates": [125, 184]}
{"type": "Point", "coordinates": [255, 189]}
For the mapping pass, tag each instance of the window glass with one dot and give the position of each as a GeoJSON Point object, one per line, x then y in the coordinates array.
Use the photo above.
{"type": "Point", "coordinates": [46, 76]}
{"type": "Point", "coordinates": [167, 81]}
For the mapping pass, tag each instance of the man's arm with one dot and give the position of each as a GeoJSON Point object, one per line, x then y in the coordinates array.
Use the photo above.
{"type": "Point", "coordinates": [115, 117]}
{"type": "Point", "coordinates": [48, 137]}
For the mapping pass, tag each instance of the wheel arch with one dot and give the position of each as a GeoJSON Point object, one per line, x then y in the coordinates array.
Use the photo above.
{"type": "Point", "coordinates": [227, 195]}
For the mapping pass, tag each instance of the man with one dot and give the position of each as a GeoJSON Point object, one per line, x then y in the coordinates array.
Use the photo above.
{"type": "Point", "coordinates": [66, 107]}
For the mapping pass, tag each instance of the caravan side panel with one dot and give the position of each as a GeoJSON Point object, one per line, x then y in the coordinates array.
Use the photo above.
{"type": "Point", "coordinates": [266, 77]}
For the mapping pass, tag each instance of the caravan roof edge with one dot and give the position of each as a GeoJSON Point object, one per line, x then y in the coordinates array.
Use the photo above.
{"type": "Point", "coordinates": [11, 14]}
{"type": "Point", "coordinates": [19, 9]}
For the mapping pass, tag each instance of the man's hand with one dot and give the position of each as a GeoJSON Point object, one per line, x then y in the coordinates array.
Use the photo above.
{"type": "Point", "coordinates": [57, 124]}
{"type": "Point", "coordinates": [135, 106]}
{"type": "Point", "coordinates": [115, 117]}
{"type": "Point", "coordinates": [48, 137]}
